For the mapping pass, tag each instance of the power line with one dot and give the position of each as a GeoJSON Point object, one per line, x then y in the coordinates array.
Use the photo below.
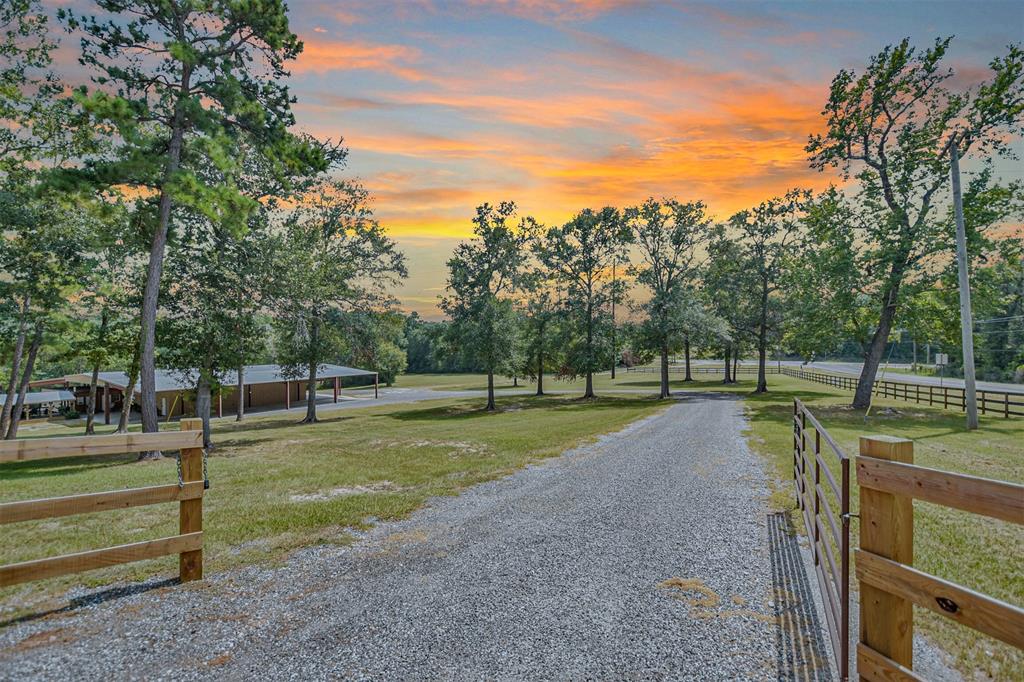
{"type": "Point", "coordinates": [1000, 319]}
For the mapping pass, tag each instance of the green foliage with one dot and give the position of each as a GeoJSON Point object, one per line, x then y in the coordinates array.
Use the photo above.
{"type": "Point", "coordinates": [334, 257]}
{"type": "Point", "coordinates": [483, 275]}
{"type": "Point", "coordinates": [35, 122]}
{"type": "Point", "coordinates": [833, 287]}
{"type": "Point", "coordinates": [669, 236]}
{"type": "Point", "coordinates": [43, 251]}
{"type": "Point", "coordinates": [375, 341]}
{"type": "Point", "coordinates": [541, 316]}
{"type": "Point", "coordinates": [892, 127]}
{"type": "Point", "coordinates": [579, 257]}
{"type": "Point", "coordinates": [205, 76]}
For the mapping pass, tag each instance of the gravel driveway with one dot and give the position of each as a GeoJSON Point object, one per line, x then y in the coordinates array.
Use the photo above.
{"type": "Point", "coordinates": [649, 554]}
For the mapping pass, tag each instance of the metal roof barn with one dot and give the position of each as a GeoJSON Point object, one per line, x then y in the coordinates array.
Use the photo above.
{"type": "Point", "coordinates": [263, 386]}
{"type": "Point", "coordinates": [172, 380]}
{"type": "Point", "coordinates": [43, 397]}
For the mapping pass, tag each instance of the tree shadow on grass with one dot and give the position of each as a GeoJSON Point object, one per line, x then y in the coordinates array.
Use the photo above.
{"type": "Point", "coordinates": [281, 423]}
{"type": "Point", "coordinates": [64, 466]}
{"type": "Point", "coordinates": [513, 405]}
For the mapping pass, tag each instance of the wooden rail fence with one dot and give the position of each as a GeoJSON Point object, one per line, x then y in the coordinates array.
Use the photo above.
{"type": "Point", "coordinates": [815, 503]}
{"type": "Point", "coordinates": [889, 584]}
{"type": "Point", "coordinates": [702, 369]}
{"type": "Point", "coordinates": [998, 403]}
{"type": "Point", "coordinates": [188, 492]}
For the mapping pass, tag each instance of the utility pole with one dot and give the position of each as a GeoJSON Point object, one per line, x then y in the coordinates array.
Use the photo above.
{"type": "Point", "coordinates": [614, 359]}
{"type": "Point", "coordinates": [966, 323]}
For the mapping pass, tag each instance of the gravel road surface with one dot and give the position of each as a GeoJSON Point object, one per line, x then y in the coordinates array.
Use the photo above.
{"type": "Point", "coordinates": [651, 554]}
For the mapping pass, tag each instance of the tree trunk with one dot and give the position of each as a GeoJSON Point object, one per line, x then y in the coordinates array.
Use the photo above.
{"type": "Point", "coordinates": [90, 417]}
{"type": "Point", "coordinates": [314, 364]}
{"type": "Point", "coordinates": [155, 268]}
{"type": "Point", "coordinates": [735, 363]}
{"type": "Point", "coordinates": [540, 372]}
{"type": "Point", "coordinates": [873, 356]}
{"type": "Point", "coordinates": [665, 393]}
{"type": "Point", "coordinates": [762, 341]}
{"type": "Point", "coordinates": [728, 352]}
{"type": "Point", "coordinates": [90, 405]}
{"type": "Point", "coordinates": [203, 401]}
{"type": "Point", "coordinates": [129, 395]}
{"type": "Point", "coordinates": [33, 351]}
{"type": "Point", "coordinates": [490, 391]}
{"type": "Point", "coordinates": [515, 381]}
{"type": "Point", "coordinates": [311, 417]}
{"type": "Point", "coordinates": [240, 408]}
{"type": "Point", "coordinates": [19, 350]}
{"type": "Point", "coordinates": [589, 390]}
{"type": "Point", "coordinates": [686, 350]}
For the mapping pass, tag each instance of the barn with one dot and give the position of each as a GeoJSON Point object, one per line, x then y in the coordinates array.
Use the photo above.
{"type": "Point", "coordinates": [43, 403]}
{"type": "Point", "coordinates": [263, 386]}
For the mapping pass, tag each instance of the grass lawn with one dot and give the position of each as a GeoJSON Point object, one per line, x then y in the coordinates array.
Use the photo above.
{"type": "Point", "coordinates": [981, 553]}
{"type": "Point", "coordinates": [277, 485]}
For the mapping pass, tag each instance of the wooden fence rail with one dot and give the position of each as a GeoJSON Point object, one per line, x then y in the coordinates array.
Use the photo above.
{"type": "Point", "coordinates": [675, 369]}
{"type": "Point", "coordinates": [1004, 404]}
{"type": "Point", "coordinates": [889, 584]}
{"type": "Point", "coordinates": [188, 492]}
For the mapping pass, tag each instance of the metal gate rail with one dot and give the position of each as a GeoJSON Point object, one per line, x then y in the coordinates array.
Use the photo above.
{"type": "Point", "coordinates": [815, 503]}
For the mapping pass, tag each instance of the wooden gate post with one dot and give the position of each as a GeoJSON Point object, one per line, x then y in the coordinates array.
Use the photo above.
{"type": "Point", "coordinates": [887, 529]}
{"type": "Point", "coordinates": [190, 514]}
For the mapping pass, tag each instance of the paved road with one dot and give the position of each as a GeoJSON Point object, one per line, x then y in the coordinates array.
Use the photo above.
{"type": "Point", "coordinates": [648, 555]}
{"type": "Point", "coordinates": [854, 368]}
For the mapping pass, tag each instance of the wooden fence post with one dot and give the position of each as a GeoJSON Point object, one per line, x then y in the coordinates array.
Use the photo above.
{"type": "Point", "coordinates": [887, 529]}
{"type": "Point", "coordinates": [190, 514]}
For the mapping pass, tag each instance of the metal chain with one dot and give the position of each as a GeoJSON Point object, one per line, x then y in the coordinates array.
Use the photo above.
{"type": "Point", "coordinates": [181, 481]}
{"type": "Point", "coordinates": [206, 478]}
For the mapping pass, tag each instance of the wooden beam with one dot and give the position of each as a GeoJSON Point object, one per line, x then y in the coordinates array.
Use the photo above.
{"type": "Point", "coordinates": [997, 499]}
{"type": "Point", "coordinates": [190, 513]}
{"type": "Point", "coordinates": [997, 619]}
{"type": "Point", "coordinates": [873, 666]}
{"type": "Point", "coordinates": [110, 444]}
{"type": "Point", "coordinates": [53, 507]}
{"type": "Point", "coordinates": [13, 574]}
{"type": "Point", "coordinates": [887, 529]}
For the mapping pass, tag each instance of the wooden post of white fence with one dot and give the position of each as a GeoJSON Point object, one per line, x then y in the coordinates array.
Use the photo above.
{"type": "Point", "coordinates": [190, 514]}
{"type": "Point", "coordinates": [887, 529]}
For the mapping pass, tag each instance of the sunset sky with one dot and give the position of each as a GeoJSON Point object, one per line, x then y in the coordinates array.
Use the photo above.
{"type": "Point", "coordinates": [564, 105]}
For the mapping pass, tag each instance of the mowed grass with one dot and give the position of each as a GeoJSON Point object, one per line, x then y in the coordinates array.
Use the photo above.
{"type": "Point", "coordinates": [983, 554]}
{"type": "Point", "coordinates": [277, 485]}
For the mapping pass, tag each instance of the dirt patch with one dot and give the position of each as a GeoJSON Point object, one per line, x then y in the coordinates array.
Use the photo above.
{"type": "Point", "coordinates": [218, 660]}
{"type": "Point", "coordinates": [456, 447]}
{"type": "Point", "coordinates": [685, 588]}
{"type": "Point", "coordinates": [45, 638]}
{"type": "Point", "coordinates": [378, 487]}
{"type": "Point", "coordinates": [704, 601]}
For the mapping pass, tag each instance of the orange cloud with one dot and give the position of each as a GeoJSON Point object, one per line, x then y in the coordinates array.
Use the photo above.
{"type": "Point", "coordinates": [320, 55]}
{"type": "Point", "coordinates": [556, 9]}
